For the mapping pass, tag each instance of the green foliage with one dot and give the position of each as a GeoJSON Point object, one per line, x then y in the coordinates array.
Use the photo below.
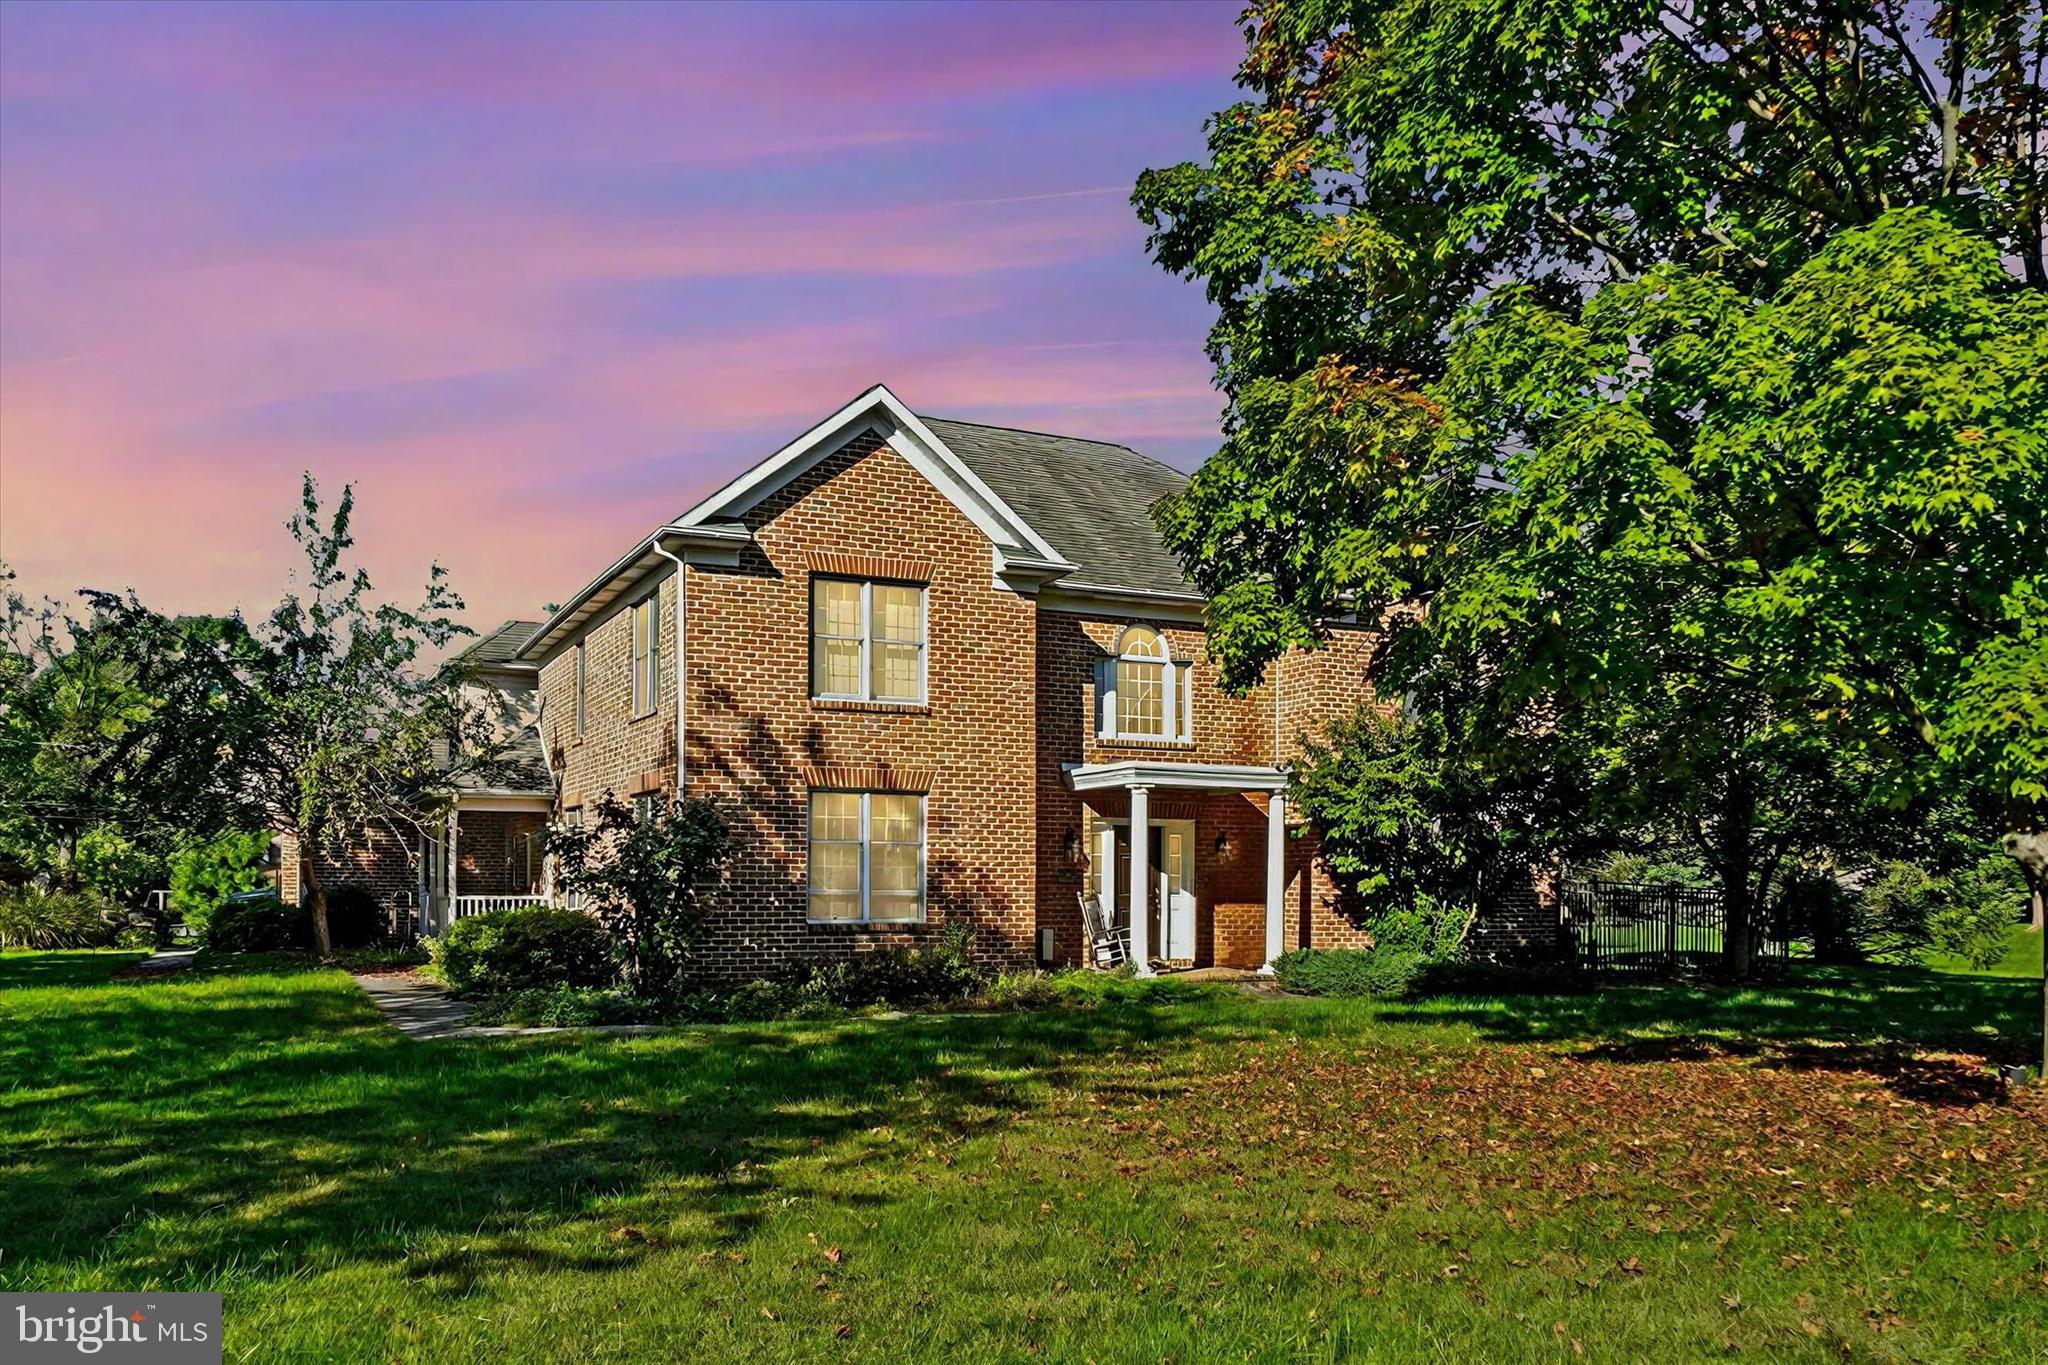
{"type": "Point", "coordinates": [1384, 970]}
{"type": "Point", "coordinates": [203, 875]}
{"type": "Point", "coordinates": [1670, 362]}
{"type": "Point", "coordinates": [561, 1006]}
{"type": "Point", "coordinates": [938, 973]}
{"type": "Point", "coordinates": [652, 880]}
{"type": "Point", "coordinates": [113, 866]}
{"type": "Point", "coordinates": [56, 919]}
{"type": "Point", "coordinates": [1908, 912]}
{"type": "Point", "coordinates": [258, 924]}
{"type": "Point", "coordinates": [1419, 830]}
{"type": "Point", "coordinates": [533, 947]}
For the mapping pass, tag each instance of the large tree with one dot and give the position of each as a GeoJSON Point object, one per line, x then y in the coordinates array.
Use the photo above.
{"type": "Point", "coordinates": [1608, 334]}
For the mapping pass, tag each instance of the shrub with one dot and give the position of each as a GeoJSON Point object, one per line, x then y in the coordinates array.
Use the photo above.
{"type": "Point", "coordinates": [61, 919]}
{"type": "Point", "coordinates": [1018, 991]}
{"type": "Point", "coordinates": [533, 947]}
{"type": "Point", "coordinates": [651, 876]}
{"type": "Point", "coordinates": [1908, 910]}
{"type": "Point", "coordinates": [1385, 970]}
{"type": "Point", "coordinates": [204, 875]}
{"type": "Point", "coordinates": [562, 1007]}
{"type": "Point", "coordinates": [258, 922]}
{"type": "Point", "coordinates": [110, 865]}
{"type": "Point", "coordinates": [354, 918]}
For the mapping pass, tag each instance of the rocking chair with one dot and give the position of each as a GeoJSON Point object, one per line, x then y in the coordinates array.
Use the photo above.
{"type": "Point", "coordinates": [1108, 945]}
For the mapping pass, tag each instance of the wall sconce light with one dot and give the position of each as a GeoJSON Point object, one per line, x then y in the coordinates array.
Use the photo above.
{"type": "Point", "coordinates": [1226, 847]}
{"type": "Point", "coordinates": [1077, 852]}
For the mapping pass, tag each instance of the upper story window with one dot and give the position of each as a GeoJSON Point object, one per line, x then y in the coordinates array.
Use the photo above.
{"type": "Point", "coordinates": [1143, 692]}
{"type": "Point", "coordinates": [646, 656]}
{"type": "Point", "coordinates": [867, 640]}
{"type": "Point", "coordinates": [582, 684]}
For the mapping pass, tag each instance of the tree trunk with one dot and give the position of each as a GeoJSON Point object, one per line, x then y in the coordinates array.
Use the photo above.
{"type": "Point", "coordinates": [1733, 866]}
{"type": "Point", "coordinates": [2029, 848]}
{"type": "Point", "coordinates": [316, 895]}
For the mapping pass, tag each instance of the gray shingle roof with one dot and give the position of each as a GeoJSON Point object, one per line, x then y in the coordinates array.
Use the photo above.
{"type": "Point", "coordinates": [502, 645]}
{"type": "Point", "coordinates": [1091, 500]}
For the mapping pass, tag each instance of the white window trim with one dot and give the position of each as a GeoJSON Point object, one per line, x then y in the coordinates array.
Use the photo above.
{"type": "Point", "coordinates": [1177, 706]}
{"type": "Point", "coordinates": [866, 851]}
{"type": "Point", "coordinates": [652, 603]}
{"type": "Point", "coordinates": [582, 688]}
{"type": "Point", "coordinates": [867, 642]}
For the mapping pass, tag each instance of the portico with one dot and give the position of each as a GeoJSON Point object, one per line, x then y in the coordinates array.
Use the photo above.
{"type": "Point", "coordinates": [1145, 879]}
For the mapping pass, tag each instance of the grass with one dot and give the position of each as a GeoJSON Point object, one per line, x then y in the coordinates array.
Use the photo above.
{"type": "Point", "coordinates": [1812, 1171]}
{"type": "Point", "coordinates": [2022, 957]}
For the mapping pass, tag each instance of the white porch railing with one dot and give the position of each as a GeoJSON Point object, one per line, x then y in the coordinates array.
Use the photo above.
{"type": "Point", "coordinates": [465, 906]}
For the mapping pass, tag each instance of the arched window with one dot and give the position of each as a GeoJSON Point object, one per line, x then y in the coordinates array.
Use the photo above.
{"type": "Point", "coordinates": [1143, 692]}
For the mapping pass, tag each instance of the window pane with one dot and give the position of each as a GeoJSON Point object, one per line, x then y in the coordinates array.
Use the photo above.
{"type": "Point", "coordinates": [835, 815]}
{"type": "Point", "coordinates": [835, 607]}
{"type": "Point", "coordinates": [1140, 699]}
{"type": "Point", "coordinates": [894, 905]}
{"type": "Point", "coordinates": [835, 668]}
{"type": "Point", "coordinates": [898, 615]}
{"type": "Point", "coordinates": [834, 905]}
{"type": "Point", "coordinates": [893, 867]}
{"type": "Point", "coordinates": [893, 819]}
{"type": "Point", "coordinates": [1144, 643]}
{"type": "Point", "coordinates": [896, 672]}
{"type": "Point", "coordinates": [835, 867]}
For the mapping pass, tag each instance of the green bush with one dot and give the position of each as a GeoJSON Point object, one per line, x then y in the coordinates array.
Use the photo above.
{"type": "Point", "coordinates": [355, 919]}
{"type": "Point", "coordinates": [1386, 970]}
{"type": "Point", "coordinates": [563, 1007]}
{"type": "Point", "coordinates": [533, 947]}
{"type": "Point", "coordinates": [258, 923]}
{"type": "Point", "coordinates": [60, 919]}
{"type": "Point", "coordinates": [941, 973]}
{"type": "Point", "coordinates": [1908, 911]}
{"type": "Point", "coordinates": [204, 875]}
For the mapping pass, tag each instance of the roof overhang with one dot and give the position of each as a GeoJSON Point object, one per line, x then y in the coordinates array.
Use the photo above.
{"type": "Point", "coordinates": [1089, 599]}
{"type": "Point", "coordinates": [1214, 777]}
{"type": "Point", "coordinates": [696, 544]}
{"type": "Point", "coordinates": [510, 801]}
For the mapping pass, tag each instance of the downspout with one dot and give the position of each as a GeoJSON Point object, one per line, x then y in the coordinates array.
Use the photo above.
{"type": "Point", "coordinates": [682, 587]}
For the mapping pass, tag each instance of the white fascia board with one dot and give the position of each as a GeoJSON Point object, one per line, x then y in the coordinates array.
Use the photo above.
{"type": "Point", "coordinates": [1133, 603]}
{"type": "Point", "coordinates": [881, 412]}
{"type": "Point", "coordinates": [1227, 777]}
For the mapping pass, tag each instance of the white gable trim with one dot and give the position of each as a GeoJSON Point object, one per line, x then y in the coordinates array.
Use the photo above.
{"type": "Point", "coordinates": [882, 413]}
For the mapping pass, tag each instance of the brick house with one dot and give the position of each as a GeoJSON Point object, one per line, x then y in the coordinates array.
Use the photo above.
{"type": "Point", "coordinates": [940, 671]}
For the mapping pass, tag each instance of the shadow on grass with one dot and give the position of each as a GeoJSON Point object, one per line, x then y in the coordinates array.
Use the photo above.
{"type": "Point", "coordinates": [166, 1129]}
{"type": "Point", "coordinates": [1871, 1020]}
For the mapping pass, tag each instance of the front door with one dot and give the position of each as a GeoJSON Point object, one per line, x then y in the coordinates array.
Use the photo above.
{"type": "Point", "coordinates": [1170, 909]}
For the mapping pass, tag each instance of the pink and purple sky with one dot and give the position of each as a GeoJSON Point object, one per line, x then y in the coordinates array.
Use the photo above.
{"type": "Point", "coordinates": [535, 277]}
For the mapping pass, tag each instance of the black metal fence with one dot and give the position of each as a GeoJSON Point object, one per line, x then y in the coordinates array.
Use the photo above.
{"type": "Point", "coordinates": [1632, 927]}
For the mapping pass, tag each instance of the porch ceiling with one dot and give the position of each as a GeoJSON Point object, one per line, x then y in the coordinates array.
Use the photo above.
{"type": "Point", "coordinates": [1215, 777]}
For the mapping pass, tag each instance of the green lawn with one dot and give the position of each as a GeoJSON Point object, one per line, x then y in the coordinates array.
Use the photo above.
{"type": "Point", "coordinates": [1807, 1172]}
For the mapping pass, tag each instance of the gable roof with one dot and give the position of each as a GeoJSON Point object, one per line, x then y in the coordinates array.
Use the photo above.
{"type": "Point", "coordinates": [1057, 509]}
{"type": "Point", "coordinates": [500, 648]}
{"type": "Point", "coordinates": [1092, 500]}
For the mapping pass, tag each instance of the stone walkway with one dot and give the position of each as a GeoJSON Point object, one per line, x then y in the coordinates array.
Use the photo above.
{"type": "Point", "coordinates": [169, 960]}
{"type": "Point", "coordinates": [419, 1008]}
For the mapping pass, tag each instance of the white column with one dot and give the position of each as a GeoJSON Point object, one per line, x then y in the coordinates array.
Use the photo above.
{"type": "Point", "coordinates": [454, 862]}
{"type": "Point", "coordinates": [1276, 880]}
{"type": "Point", "coordinates": [1105, 873]}
{"type": "Point", "coordinates": [1141, 880]}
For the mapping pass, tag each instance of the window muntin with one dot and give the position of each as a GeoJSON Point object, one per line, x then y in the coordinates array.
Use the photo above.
{"type": "Point", "coordinates": [867, 640]}
{"type": "Point", "coordinates": [867, 857]}
{"type": "Point", "coordinates": [1143, 692]}
{"type": "Point", "coordinates": [646, 654]}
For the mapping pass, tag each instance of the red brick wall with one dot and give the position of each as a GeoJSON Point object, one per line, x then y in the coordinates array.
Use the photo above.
{"type": "Point", "coordinates": [618, 751]}
{"type": "Point", "coordinates": [1318, 686]}
{"type": "Point", "coordinates": [488, 850]}
{"type": "Point", "coordinates": [752, 727]}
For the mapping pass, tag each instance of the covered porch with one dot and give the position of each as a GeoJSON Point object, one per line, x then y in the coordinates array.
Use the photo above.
{"type": "Point", "coordinates": [488, 854]}
{"type": "Point", "coordinates": [1174, 853]}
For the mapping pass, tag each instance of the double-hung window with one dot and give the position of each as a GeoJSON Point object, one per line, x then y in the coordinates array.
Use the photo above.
{"type": "Point", "coordinates": [867, 640]}
{"type": "Point", "coordinates": [646, 653]}
{"type": "Point", "coordinates": [1142, 692]}
{"type": "Point", "coordinates": [582, 688]}
{"type": "Point", "coordinates": [867, 857]}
